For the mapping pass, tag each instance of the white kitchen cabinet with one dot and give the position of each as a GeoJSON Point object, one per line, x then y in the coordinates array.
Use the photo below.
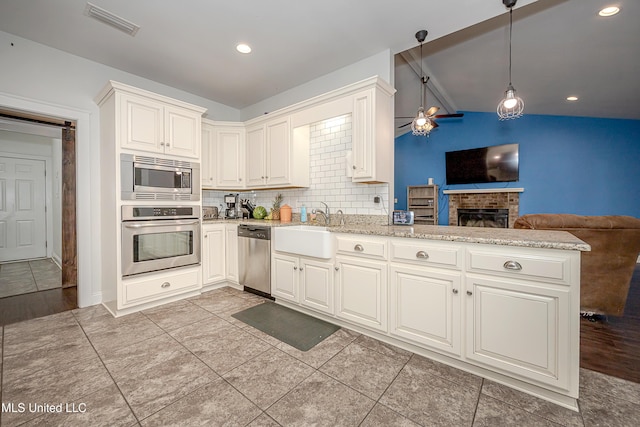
{"type": "Point", "coordinates": [213, 253]}
{"type": "Point", "coordinates": [424, 306]}
{"type": "Point", "coordinates": [273, 159]}
{"type": "Point", "coordinates": [361, 292]}
{"type": "Point", "coordinates": [230, 156]}
{"type": "Point", "coordinates": [159, 127]}
{"type": "Point", "coordinates": [231, 253]}
{"type": "Point", "coordinates": [372, 136]}
{"type": "Point", "coordinates": [317, 284]}
{"type": "Point", "coordinates": [148, 288]}
{"type": "Point", "coordinates": [208, 156]}
{"type": "Point", "coordinates": [521, 328]}
{"type": "Point", "coordinates": [285, 277]}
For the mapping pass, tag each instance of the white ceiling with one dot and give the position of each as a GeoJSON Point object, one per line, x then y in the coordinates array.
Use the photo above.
{"type": "Point", "coordinates": [560, 47]}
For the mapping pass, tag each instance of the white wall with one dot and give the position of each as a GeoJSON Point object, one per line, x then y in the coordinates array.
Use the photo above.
{"type": "Point", "coordinates": [380, 64]}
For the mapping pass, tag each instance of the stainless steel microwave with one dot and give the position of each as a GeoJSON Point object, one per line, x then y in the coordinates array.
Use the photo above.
{"type": "Point", "coordinates": [154, 178]}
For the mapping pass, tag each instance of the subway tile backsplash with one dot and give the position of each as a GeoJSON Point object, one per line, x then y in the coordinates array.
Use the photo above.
{"type": "Point", "coordinates": [329, 183]}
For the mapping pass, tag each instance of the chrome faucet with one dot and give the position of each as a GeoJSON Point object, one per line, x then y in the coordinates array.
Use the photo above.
{"type": "Point", "coordinates": [339, 211]}
{"type": "Point", "coordinates": [326, 213]}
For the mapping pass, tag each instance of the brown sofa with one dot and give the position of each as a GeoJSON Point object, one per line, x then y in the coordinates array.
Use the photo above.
{"type": "Point", "coordinates": [605, 272]}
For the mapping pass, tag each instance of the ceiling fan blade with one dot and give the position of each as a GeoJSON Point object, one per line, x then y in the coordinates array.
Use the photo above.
{"type": "Point", "coordinates": [431, 111]}
{"type": "Point", "coordinates": [434, 124]}
{"type": "Point", "coordinates": [445, 116]}
{"type": "Point", "coordinates": [406, 124]}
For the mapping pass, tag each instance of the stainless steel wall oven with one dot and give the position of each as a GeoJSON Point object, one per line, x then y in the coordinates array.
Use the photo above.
{"type": "Point", "coordinates": [159, 238]}
{"type": "Point", "coordinates": [154, 178]}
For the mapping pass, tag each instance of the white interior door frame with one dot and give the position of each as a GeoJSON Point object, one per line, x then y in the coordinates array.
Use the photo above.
{"type": "Point", "coordinates": [87, 209]}
{"type": "Point", "coordinates": [48, 166]}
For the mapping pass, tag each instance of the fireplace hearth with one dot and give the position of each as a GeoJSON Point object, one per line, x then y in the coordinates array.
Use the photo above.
{"type": "Point", "coordinates": [487, 200]}
{"type": "Point", "coordinates": [493, 218]}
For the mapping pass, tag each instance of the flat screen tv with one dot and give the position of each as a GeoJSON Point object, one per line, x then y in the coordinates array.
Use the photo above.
{"type": "Point", "coordinates": [498, 163]}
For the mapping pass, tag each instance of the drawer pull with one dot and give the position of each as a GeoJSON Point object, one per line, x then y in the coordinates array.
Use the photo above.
{"type": "Point", "coordinates": [469, 293]}
{"type": "Point", "coordinates": [295, 268]}
{"type": "Point", "coordinates": [165, 285]}
{"type": "Point", "coordinates": [358, 248]}
{"type": "Point", "coordinates": [301, 269]}
{"type": "Point", "coordinates": [455, 291]}
{"type": "Point", "coordinates": [512, 265]}
{"type": "Point", "coordinates": [337, 268]}
{"type": "Point", "coordinates": [422, 255]}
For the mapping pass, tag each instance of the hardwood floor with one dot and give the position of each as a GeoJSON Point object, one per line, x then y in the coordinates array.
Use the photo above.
{"type": "Point", "coordinates": [611, 345]}
{"type": "Point", "coordinates": [37, 304]}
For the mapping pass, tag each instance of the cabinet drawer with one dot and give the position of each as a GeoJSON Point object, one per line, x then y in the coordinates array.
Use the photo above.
{"type": "Point", "coordinates": [137, 291]}
{"type": "Point", "coordinates": [364, 247]}
{"type": "Point", "coordinates": [529, 264]}
{"type": "Point", "coordinates": [417, 251]}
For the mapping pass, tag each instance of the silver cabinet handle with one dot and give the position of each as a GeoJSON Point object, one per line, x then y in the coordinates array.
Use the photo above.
{"type": "Point", "coordinates": [295, 268]}
{"type": "Point", "coordinates": [354, 167]}
{"type": "Point", "coordinates": [455, 291]}
{"type": "Point", "coordinates": [167, 144]}
{"type": "Point", "coordinates": [165, 285]}
{"type": "Point", "coordinates": [266, 177]}
{"type": "Point", "coordinates": [206, 235]}
{"type": "Point", "coordinates": [512, 265]}
{"type": "Point", "coordinates": [358, 248]}
{"type": "Point", "coordinates": [469, 293]}
{"type": "Point", "coordinates": [301, 268]}
{"type": "Point", "coordinates": [239, 179]}
{"type": "Point", "coordinates": [422, 255]}
{"type": "Point", "coordinates": [336, 268]}
{"type": "Point", "coordinates": [162, 144]}
{"type": "Point", "coordinates": [262, 177]}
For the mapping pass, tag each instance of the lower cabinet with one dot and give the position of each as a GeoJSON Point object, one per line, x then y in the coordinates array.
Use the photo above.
{"type": "Point", "coordinates": [424, 306]}
{"type": "Point", "coordinates": [213, 253]}
{"type": "Point", "coordinates": [219, 253]}
{"type": "Point", "coordinates": [520, 327]}
{"type": "Point", "coordinates": [361, 287]}
{"type": "Point", "coordinates": [303, 280]}
{"type": "Point", "coordinates": [156, 286]}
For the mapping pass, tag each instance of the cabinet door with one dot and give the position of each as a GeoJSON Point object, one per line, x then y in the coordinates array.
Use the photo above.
{"type": "Point", "coordinates": [284, 277]}
{"type": "Point", "coordinates": [142, 124]}
{"type": "Point", "coordinates": [231, 253]}
{"type": "Point", "coordinates": [362, 292]}
{"type": "Point", "coordinates": [316, 285]}
{"type": "Point", "coordinates": [520, 327]}
{"type": "Point", "coordinates": [213, 254]}
{"type": "Point", "coordinates": [278, 153]}
{"type": "Point", "coordinates": [256, 151]}
{"type": "Point", "coordinates": [182, 129]}
{"type": "Point", "coordinates": [362, 137]}
{"type": "Point", "coordinates": [208, 163]}
{"type": "Point", "coordinates": [229, 157]}
{"type": "Point", "coordinates": [424, 307]}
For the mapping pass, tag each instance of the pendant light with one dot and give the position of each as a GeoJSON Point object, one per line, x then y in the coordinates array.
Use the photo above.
{"type": "Point", "coordinates": [421, 125]}
{"type": "Point", "coordinates": [511, 106]}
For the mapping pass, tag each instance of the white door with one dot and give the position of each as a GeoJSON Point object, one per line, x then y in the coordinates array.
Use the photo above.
{"type": "Point", "coordinates": [22, 209]}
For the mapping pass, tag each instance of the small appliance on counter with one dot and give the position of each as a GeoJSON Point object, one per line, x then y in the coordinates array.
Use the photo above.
{"type": "Point", "coordinates": [232, 200]}
{"type": "Point", "coordinates": [402, 217]}
{"type": "Point", "coordinates": [209, 212]}
{"type": "Point", "coordinates": [248, 206]}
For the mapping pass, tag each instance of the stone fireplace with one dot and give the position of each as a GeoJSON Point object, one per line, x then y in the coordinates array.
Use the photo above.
{"type": "Point", "coordinates": [491, 199]}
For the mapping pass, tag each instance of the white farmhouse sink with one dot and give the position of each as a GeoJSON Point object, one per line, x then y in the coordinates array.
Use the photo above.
{"type": "Point", "coordinates": [307, 240]}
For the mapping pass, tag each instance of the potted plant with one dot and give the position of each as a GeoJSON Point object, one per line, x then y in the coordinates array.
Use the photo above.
{"type": "Point", "coordinates": [275, 207]}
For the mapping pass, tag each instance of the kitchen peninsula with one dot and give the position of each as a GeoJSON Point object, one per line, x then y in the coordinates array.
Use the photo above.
{"type": "Point", "coordinates": [500, 303]}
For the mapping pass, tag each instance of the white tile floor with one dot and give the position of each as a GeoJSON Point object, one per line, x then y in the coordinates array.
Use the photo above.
{"type": "Point", "coordinates": [191, 363]}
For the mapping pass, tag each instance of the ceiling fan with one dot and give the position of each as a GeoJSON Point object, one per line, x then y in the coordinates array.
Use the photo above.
{"type": "Point", "coordinates": [424, 122]}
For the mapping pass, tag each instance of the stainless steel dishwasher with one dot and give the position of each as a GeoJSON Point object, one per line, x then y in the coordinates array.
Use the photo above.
{"type": "Point", "coordinates": [254, 258]}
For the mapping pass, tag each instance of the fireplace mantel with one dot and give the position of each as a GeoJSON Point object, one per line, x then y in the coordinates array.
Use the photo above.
{"type": "Point", "coordinates": [484, 190]}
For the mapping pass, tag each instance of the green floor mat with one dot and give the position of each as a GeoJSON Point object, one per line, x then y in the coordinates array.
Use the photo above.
{"type": "Point", "coordinates": [294, 328]}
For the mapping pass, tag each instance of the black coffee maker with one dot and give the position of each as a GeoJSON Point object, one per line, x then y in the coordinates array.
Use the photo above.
{"type": "Point", "coordinates": [232, 201]}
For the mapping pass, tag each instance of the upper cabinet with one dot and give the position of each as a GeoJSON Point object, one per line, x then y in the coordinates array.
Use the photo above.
{"type": "Point", "coordinates": [223, 152]}
{"type": "Point", "coordinates": [153, 123]}
{"type": "Point", "coordinates": [372, 136]}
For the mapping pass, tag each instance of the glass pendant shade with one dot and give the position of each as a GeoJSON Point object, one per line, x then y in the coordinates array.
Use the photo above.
{"type": "Point", "coordinates": [421, 125]}
{"type": "Point", "coordinates": [511, 106]}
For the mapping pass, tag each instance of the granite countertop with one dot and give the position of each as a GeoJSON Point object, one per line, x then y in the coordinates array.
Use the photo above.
{"type": "Point", "coordinates": [545, 239]}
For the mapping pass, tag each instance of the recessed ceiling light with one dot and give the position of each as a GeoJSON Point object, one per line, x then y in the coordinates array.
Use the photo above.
{"type": "Point", "coordinates": [243, 48]}
{"type": "Point", "coordinates": [609, 11]}
{"type": "Point", "coordinates": [572, 98]}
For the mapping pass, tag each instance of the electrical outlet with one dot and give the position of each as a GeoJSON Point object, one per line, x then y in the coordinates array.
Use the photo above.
{"type": "Point", "coordinates": [376, 199]}
{"type": "Point", "coordinates": [395, 200]}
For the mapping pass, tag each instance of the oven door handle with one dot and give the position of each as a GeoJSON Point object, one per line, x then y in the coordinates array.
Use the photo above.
{"type": "Point", "coordinates": [161, 224]}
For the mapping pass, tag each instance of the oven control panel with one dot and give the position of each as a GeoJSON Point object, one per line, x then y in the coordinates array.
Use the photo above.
{"type": "Point", "coordinates": [130, 213]}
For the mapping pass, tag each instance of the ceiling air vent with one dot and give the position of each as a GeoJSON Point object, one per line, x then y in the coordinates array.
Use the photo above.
{"type": "Point", "coordinates": [109, 18]}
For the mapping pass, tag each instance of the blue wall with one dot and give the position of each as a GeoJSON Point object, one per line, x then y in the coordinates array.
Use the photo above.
{"type": "Point", "coordinates": [579, 165]}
